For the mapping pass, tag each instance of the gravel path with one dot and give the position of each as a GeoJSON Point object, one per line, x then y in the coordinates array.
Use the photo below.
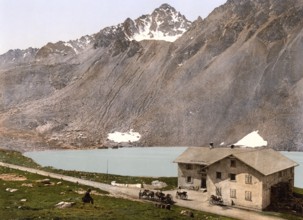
{"type": "Point", "coordinates": [196, 200]}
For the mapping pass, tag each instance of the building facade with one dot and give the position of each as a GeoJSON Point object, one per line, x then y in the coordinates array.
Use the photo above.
{"type": "Point", "coordinates": [242, 177]}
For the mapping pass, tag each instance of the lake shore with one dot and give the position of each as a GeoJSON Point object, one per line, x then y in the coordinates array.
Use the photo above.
{"type": "Point", "coordinates": [130, 161]}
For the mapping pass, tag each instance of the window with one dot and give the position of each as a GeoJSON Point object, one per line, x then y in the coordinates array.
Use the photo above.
{"type": "Point", "coordinates": [218, 191]}
{"type": "Point", "coordinates": [188, 179]}
{"type": "Point", "coordinates": [232, 176]}
{"type": "Point", "coordinates": [233, 193]}
{"type": "Point", "coordinates": [232, 163]}
{"type": "Point", "coordinates": [248, 179]}
{"type": "Point", "coordinates": [189, 166]}
{"type": "Point", "coordinates": [280, 174]}
{"type": "Point", "coordinates": [248, 195]}
{"type": "Point", "coordinates": [218, 175]}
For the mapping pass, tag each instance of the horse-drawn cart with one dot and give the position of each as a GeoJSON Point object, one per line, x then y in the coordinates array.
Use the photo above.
{"type": "Point", "coordinates": [215, 200]}
{"type": "Point", "coordinates": [156, 196]}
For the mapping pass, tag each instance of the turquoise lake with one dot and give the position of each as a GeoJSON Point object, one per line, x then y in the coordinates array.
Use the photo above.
{"type": "Point", "coordinates": [135, 161]}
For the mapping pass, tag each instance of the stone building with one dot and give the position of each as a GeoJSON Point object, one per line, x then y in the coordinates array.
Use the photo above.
{"type": "Point", "coordinates": [242, 177]}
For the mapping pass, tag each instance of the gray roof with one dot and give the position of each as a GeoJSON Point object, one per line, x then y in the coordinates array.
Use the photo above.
{"type": "Point", "coordinates": [264, 160]}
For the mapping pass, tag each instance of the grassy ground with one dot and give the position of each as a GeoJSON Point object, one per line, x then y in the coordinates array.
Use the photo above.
{"type": "Point", "coordinates": [17, 158]}
{"type": "Point", "coordinates": [298, 190]}
{"type": "Point", "coordinates": [41, 199]}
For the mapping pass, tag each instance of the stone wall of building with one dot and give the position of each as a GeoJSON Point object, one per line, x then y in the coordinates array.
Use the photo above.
{"type": "Point", "coordinates": [189, 176]}
{"type": "Point", "coordinates": [238, 184]}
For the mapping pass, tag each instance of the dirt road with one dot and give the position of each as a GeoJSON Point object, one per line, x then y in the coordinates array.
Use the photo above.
{"type": "Point", "coordinates": [196, 200]}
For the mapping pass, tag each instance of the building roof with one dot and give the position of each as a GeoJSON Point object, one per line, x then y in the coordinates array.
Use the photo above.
{"type": "Point", "coordinates": [264, 160]}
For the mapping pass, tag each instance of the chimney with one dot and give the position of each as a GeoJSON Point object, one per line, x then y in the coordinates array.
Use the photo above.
{"type": "Point", "coordinates": [211, 145]}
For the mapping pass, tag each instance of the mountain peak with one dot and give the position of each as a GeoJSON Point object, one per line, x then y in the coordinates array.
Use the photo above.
{"type": "Point", "coordinates": [164, 23]}
{"type": "Point", "coordinates": [166, 6]}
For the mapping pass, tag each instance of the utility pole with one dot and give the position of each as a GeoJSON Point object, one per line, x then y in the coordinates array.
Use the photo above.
{"type": "Point", "coordinates": [107, 169]}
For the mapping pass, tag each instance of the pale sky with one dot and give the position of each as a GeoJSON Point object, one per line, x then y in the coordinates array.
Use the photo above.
{"type": "Point", "coordinates": [34, 23]}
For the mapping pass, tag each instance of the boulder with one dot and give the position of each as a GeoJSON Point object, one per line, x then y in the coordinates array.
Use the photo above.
{"type": "Point", "coordinates": [63, 205]}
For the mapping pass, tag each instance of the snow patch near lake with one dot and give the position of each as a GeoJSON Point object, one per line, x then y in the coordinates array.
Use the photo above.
{"type": "Point", "coordinates": [120, 137]}
{"type": "Point", "coordinates": [253, 139]}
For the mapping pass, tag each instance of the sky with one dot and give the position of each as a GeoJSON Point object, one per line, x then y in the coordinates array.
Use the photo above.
{"type": "Point", "coordinates": [34, 23]}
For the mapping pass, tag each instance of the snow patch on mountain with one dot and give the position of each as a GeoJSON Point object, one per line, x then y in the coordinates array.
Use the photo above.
{"type": "Point", "coordinates": [253, 139]}
{"type": "Point", "coordinates": [123, 137]}
{"type": "Point", "coordinates": [79, 44]}
{"type": "Point", "coordinates": [155, 36]}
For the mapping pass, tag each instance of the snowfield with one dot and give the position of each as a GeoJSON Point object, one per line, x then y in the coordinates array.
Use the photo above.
{"type": "Point", "coordinates": [122, 137]}
{"type": "Point", "coordinates": [253, 139]}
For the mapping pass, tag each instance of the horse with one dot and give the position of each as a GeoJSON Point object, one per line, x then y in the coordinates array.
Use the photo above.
{"type": "Point", "coordinates": [181, 195]}
{"type": "Point", "coordinates": [160, 195]}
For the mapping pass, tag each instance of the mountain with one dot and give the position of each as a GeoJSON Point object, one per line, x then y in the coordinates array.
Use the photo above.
{"type": "Point", "coordinates": [172, 81]}
{"type": "Point", "coordinates": [13, 57]}
{"type": "Point", "coordinates": [165, 23]}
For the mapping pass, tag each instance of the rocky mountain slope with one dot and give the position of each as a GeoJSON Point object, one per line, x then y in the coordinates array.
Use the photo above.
{"type": "Point", "coordinates": [173, 81]}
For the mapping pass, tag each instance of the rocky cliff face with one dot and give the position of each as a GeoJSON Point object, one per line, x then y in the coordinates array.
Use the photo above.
{"type": "Point", "coordinates": [236, 71]}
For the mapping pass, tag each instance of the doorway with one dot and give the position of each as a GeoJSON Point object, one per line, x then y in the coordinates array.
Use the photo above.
{"type": "Point", "coordinates": [203, 183]}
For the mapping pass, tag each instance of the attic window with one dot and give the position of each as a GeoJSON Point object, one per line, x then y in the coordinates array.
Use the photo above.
{"type": "Point", "coordinates": [189, 166]}
{"type": "Point", "coordinates": [232, 163]}
{"type": "Point", "coordinates": [248, 179]}
{"type": "Point", "coordinates": [232, 176]}
{"type": "Point", "coordinates": [218, 175]}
